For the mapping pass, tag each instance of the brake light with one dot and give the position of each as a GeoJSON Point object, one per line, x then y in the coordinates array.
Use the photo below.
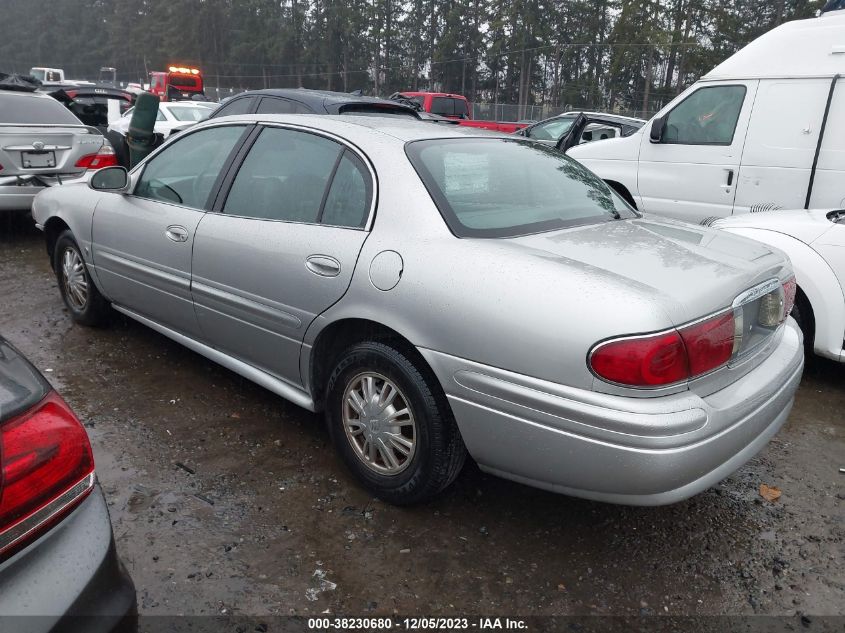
{"type": "Point", "coordinates": [105, 157]}
{"type": "Point", "coordinates": [46, 469]}
{"type": "Point", "coordinates": [710, 344]}
{"type": "Point", "coordinates": [643, 361]}
{"type": "Point", "coordinates": [668, 357]}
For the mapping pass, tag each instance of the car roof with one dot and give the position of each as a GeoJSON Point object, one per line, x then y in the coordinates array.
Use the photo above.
{"type": "Point", "coordinates": [316, 97]}
{"type": "Point", "coordinates": [25, 93]}
{"type": "Point", "coordinates": [403, 129]}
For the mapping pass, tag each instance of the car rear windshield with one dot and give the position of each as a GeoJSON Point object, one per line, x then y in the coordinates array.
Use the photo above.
{"type": "Point", "coordinates": [507, 187]}
{"type": "Point", "coordinates": [185, 113]}
{"type": "Point", "coordinates": [21, 386]}
{"type": "Point", "coordinates": [448, 106]}
{"type": "Point", "coordinates": [19, 109]}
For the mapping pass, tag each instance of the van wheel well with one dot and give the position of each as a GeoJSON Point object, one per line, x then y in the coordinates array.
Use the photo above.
{"type": "Point", "coordinates": [52, 230]}
{"type": "Point", "coordinates": [341, 335]}
{"type": "Point", "coordinates": [622, 190]}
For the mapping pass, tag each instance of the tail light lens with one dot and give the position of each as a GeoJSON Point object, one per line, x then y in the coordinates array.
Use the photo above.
{"type": "Point", "coordinates": [106, 157]}
{"type": "Point", "coordinates": [710, 344]}
{"type": "Point", "coordinates": [647, 361]}
{"type": "Point", "coordinates": [46, 469]}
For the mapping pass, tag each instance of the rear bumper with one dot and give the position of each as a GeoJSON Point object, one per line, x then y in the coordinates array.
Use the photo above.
{"type": "Point", "coordinates": [70, 579]}
{"type": "Point", "coordinates": [19, 198]}
{"type": "Point", "coordinates": [636, 451]}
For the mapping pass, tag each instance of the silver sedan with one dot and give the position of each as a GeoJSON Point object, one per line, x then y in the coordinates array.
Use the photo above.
{"type": "Point", "coordinates": [434, 292]}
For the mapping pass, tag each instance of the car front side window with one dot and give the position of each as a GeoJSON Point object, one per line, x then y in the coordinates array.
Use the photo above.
{"type": "Point", "coordinates": [707, 117]}
{"type": "Point", "coordinates": [184, 172]}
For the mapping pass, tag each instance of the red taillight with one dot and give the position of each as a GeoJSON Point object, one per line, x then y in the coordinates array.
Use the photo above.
{"type": "Point", "coordinates": [46, 468]}
{"type": "Point", "coordinates": [789, 289]}
{"type": "Point", "coordinates": [710, 344]}
{"type": "Point", "coordinates": [104, 158]}
{"type": "Point", "coordinates": [669, 357]}
{"type": "Point", "coordinates": [645, 361]}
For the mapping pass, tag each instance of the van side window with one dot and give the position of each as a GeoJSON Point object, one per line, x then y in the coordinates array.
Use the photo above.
{"type": "Point", "coordinates": [707, 117]}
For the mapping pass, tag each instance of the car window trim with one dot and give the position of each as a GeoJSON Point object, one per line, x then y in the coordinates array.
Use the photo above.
{"type": "Point", "coordinates": [224, 191]}
{"type": "Point", "coordinates": [138, 171]}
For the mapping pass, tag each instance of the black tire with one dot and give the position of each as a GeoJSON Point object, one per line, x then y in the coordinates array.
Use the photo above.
{"type": "Point", "coordinates": [439, 452]}
{"type": "Point", "coordinates": [94, 310]}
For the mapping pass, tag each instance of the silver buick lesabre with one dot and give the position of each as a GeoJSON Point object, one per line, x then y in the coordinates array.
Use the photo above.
{"type": "Point", "coordinates": [435, 292]}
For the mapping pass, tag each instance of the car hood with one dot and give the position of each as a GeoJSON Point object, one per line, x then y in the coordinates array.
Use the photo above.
{"type": "Point", "coordinates": [690, 270]}
{"type": "Point", "coordinates": [802, 224]}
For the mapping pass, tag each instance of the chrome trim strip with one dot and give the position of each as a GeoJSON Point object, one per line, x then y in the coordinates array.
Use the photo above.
{"type": "Point", "coordinates": [23, 528]}
{"type": "Point", "coordinates": [279, 387]}
{"type": "Point", "coordinates": [752, 294]}
{"type": "Point", "coordinates": [243, 302]}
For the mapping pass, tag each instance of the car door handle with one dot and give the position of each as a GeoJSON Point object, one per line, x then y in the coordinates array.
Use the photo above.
{"type": "Point", "coordinates": [323, 265]}
{"type": "Point", "coordinates": [177, 233]}
{"type": "Point", "coordinates": [730, 180]}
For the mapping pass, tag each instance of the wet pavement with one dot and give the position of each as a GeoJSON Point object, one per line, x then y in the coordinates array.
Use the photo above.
{"type": "Point", "coordinates": [227, 499]}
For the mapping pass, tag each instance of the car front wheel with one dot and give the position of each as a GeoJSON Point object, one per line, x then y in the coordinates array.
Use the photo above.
{"type": "Point", "coordinates": [389, 419]}
{"type": "Point", "coordinates": [85, 303]}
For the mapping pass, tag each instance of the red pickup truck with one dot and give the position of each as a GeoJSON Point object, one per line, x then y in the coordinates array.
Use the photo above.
{"type": "Point", "coordinates": [457, 107]}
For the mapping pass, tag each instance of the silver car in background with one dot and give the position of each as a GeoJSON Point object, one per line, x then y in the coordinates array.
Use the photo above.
{"type": "Point", "coordinates": [434, 292]}
{"type": "Point", "coordinates": [43, 144]}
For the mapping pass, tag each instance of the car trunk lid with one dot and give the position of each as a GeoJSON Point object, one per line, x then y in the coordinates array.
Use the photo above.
{"type": "Point", "coordinates": [40, 149]}
{"type": "Point", "coordinates": [661, 257]}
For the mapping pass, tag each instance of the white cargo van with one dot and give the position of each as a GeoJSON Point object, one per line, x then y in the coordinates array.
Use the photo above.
{"type": "Point", "coordinates": [764, 129]}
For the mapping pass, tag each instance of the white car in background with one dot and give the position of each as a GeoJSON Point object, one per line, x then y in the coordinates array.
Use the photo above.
{"type": "Point", "coordinates": [170, 115]}
{"type": "Point", "coordinates": [815, 242]}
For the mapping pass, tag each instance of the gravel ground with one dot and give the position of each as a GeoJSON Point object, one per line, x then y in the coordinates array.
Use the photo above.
{"type": "Point", "coordinates": [226, 499]}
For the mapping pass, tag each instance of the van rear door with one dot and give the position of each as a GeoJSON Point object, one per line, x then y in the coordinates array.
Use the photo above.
{"type": "Point", "coordinates": [782, 137]}
{"type": "Point", "coordinates": [691, 172]}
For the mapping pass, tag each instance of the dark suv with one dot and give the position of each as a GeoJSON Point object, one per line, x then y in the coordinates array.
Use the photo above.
{"type": "Point", "coordinates": [303, 101]}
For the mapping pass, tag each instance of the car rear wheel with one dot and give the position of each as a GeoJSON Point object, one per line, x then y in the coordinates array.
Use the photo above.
{"type": "Point", "coordinates": [389, 419]}
{"type": "Point", "coordinates": [85, 303]}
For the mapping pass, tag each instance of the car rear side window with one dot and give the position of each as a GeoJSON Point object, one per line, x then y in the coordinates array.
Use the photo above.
{"type": "Point", "coordinates": [284, 177]}
{"type": "Point", "coordinates": [348, 200]}
{"type": "Point", "coordinates": [21, 386]}
{"type": "Point", "coordinates": [26, 109]}
{"type": "Point", "coordinates": [236, 106]}
{"type": "Point", "coordinates": [504, 188]}
{"type": "Point", "coordinates": [184, 172]}
{"type": "Point", "coordinates": [275, 105]}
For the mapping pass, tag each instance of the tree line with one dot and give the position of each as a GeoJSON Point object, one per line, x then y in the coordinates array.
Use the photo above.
{"type": "Point", "coordinates": [622, 55]}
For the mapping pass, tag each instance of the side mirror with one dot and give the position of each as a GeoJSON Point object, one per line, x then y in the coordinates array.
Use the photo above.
{"type": "Point", "coordinates": [657, 127]}
{"type": "Point", "coordinates": [110, 179]}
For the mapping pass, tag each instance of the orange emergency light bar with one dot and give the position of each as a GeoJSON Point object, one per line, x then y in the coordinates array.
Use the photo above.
{"type": "Point", "coordinates": [184, 70]}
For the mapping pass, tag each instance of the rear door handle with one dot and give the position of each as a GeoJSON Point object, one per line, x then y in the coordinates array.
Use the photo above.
{"type": "Point", "coordinates": [323, 265]}
{"type": "Point", "coordinates": [177, 233]}
{"type": "Point", "coordinates": [730, 177]}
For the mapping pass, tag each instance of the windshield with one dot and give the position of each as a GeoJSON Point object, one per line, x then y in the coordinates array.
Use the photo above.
{"type": "Point", "coordinates": [508, 187]}
{"type": "Point", "coordinates": [29, 109]}
{"type": "Point", "coordinates": [197, 113]}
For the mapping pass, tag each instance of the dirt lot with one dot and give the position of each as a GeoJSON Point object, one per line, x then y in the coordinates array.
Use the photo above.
{"type": "Point", "coordinates": [227, 499]}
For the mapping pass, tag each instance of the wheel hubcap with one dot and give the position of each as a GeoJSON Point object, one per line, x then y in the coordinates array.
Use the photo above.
{"type": "Point", "coordinates": [379, 423]}
{"type": "Point", "coordinates": [75, 279]}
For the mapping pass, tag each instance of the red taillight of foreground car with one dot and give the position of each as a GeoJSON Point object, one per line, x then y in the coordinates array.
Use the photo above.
{"type": "Point", "coordinates": [46, 468]}
{"type": "Point", "coordinates": [103, 158]}
{"type": "Point", "coordinates": [666, 358]}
